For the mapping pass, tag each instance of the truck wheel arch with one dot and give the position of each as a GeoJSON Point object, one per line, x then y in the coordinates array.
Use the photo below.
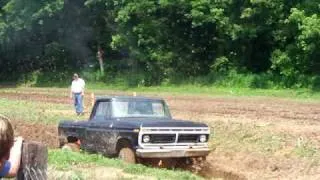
{"type": "Point", "coordinates": [123, 143]}
{"type": "Point", "coordinates": [70, 143]}
{"type": "Point", "coordinates": [125, 151]}
{"type": "Point", "coordinates": [67, 139]}
{"type": "Point", "coordinates": [72, 139]}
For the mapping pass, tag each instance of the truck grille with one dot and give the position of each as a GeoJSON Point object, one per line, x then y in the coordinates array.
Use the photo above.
{"type": "Point", "coordinates": [176, 136]}
{"type": "Point", "coordinates": [163, 138]}
{"type": "Point", "coordinates": [188, 138]}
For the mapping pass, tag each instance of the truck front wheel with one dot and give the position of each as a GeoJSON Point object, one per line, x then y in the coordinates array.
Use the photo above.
{"type": "Point", "coordinates": [127, 155]}
{"type": "Point", "coordinates": [71, 147]}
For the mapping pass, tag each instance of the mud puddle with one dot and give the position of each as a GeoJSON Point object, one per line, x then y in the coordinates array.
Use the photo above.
{"type": "Point", "coordinates": [210, 171]}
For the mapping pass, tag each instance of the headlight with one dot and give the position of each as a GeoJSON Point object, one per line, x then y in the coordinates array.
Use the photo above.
{"type": "Point", "coordinates": [203, 138]}
{"type": "Point", "coordinates": [146, 138]}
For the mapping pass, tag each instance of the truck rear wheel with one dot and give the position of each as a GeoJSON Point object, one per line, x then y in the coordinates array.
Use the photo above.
{"type": "Point", "coordinates": [127, 155]}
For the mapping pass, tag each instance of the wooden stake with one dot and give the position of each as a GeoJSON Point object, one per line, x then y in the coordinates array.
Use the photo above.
{"type": "Point", "coordinates": [34, 161]}
{"type": "Point", "coordinates": [92, 99]}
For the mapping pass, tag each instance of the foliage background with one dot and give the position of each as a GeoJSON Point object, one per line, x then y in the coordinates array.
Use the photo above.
{"type": "Point", "coordinates": [249, 43]}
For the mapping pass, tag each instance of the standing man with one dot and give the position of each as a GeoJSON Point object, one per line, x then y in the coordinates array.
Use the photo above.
{"type": "Point", "coordinates": [77, 93]}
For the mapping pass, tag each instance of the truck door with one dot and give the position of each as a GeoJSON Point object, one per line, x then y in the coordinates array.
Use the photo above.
{"type": "Point", "coordinates": [99, 130]}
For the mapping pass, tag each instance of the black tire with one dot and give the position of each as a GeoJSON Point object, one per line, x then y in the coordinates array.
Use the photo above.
{"type": "Point", "coordinates": [127, 155]}
{"type": "Point", "coordinates": [71, 147]}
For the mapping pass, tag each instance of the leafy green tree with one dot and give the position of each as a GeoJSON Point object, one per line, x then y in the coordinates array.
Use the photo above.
{"type": "Point", "coordinates": [299, 54]}
{"type": "Point", "coordinates": [162, 39]}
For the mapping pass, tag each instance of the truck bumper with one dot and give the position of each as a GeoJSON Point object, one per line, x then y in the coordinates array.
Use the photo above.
{"type": "Point", "coordinates": [172, 153]}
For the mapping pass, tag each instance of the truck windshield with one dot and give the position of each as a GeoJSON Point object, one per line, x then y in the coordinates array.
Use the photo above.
{"type": "Point", "coordinates": [139, 109]}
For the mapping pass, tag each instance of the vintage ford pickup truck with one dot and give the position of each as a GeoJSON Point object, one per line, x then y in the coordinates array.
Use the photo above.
{"type": "Point", "coordinates": [135, 128]}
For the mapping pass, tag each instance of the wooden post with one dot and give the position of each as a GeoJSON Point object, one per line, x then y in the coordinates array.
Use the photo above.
{"type": "Point", "coordinates": [92, 99]}
{"type": "Point", "coordinates": [33, 162]}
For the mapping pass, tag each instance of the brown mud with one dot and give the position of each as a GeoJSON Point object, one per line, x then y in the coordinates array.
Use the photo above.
{"type": "Point", "coordinates": [46, 134]}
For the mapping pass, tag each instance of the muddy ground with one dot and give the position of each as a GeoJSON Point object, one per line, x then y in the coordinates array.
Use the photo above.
{"type": "Point", "coordinates": [46, 134]}
{"type": "Point", "coordinates": [294, 119]}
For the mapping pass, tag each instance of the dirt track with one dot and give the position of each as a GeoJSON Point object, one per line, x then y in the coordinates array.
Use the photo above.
{"type": "Point", "coordinates": [37, 132]}
{"type": "Point", "coordinates": [279, 116]}
{"type": "Point", "coordinates": [294, 120]}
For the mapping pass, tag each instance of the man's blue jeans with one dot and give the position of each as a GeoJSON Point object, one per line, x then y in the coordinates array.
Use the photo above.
{"type": "Point", "coordinates": [78, 102]}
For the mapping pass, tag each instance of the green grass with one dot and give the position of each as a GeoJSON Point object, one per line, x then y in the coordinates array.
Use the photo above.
{"type": "Point", "coordinates": [232, 84]}
{"type": "Point", "coordinates": [215, 84]}
{"type": "Point", "coordinates": [34, 111]}
{"type": "Point", "coordinates": [64, 160]}
{"type": "Point", "coordinates": [305, 149]}
{"type": "Point", "coordinates": [299, 94]}
{"type": "Point", "coordinates": [302, 95]}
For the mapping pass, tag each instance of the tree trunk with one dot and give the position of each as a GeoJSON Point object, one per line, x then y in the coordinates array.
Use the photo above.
{"type": "Point", "coordinates": [100, 59]}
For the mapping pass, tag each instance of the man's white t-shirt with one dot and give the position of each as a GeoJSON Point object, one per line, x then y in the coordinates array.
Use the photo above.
{"type": "Point", "coordinates": [77, 86]}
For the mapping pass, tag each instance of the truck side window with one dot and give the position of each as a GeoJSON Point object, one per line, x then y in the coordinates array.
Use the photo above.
{"type": "Point", "coordinates": [103, 111]}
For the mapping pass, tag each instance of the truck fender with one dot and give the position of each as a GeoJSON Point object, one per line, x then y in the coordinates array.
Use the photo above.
{"type": "Point", "coordinates": [124, 141]}
{"type": "Point", "coordinates": [68, 138]}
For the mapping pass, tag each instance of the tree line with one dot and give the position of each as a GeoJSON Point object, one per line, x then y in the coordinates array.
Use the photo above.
{"type": "Point", "coordinates": [161, 39]}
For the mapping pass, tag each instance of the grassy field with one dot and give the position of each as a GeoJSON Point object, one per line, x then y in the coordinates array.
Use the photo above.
{"type": "Point", "coordinates": [267, 134]}
{"type": "Point", "coordinates": [300, 94]}
{"type": "Point", "coordinates": [197, 89]}
{"type": "Point", "coordinates": [262, 140]}
{"type": "Point", "coordinates": [64, 160]}
{"type": "Point", "coordinates": [239, 137]}
{"type": "Point", "coordinates": [33, 111]}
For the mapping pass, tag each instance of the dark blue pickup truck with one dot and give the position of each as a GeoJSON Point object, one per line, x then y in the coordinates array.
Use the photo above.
{"type": "Point", "coordinates": [135, 128]}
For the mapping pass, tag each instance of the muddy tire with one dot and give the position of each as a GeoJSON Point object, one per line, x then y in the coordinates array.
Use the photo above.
{"type": "Point", "coordinates": [127, 155]}
{"type": "Point", "coordinates": [71, 147]}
